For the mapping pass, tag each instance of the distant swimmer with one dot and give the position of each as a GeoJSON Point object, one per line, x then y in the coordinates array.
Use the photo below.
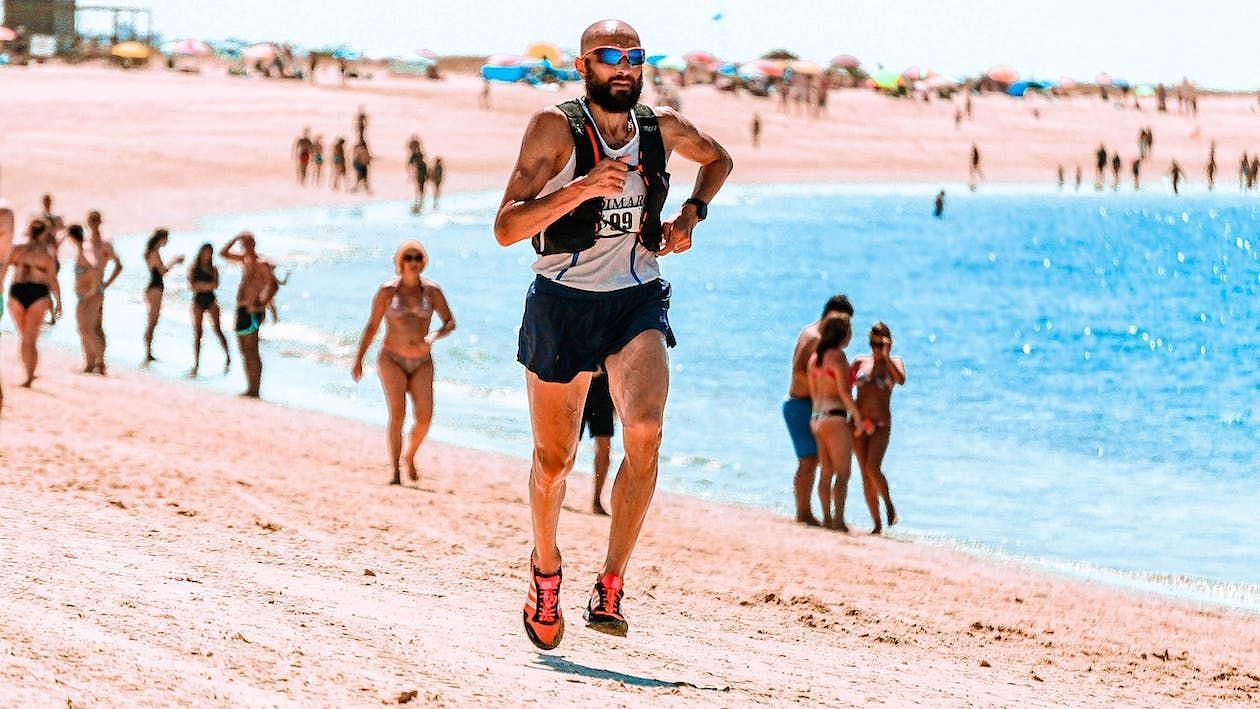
{"type": "Point", "coordinates": [251, 300]}
{"type": "Point", "coordinates": [1244, 167]}
{"type": "Point", "coordinates": [203, 281]}
{"type": "Point", "coordinates": [34, 291]}
{"type": "Point", "coordinates": [938, 209]}
{"type": "Point", "coordinates": [797, 409]}
{"type": "Point", "coordinates": [875, 376]}
{"type": "Point", "coordinates": [1137, 174]}
{"type": "Point", "coordinates": [1100, 166]}
{"type": "Point", "coordinates": [756, 130]}
{"type": "Point", "coordinates": [156, 288]}
{"type": "Point", "coordinates": [834, 417]}
{"type": "Point", "coordinates": [598, 418]}
{"type": "Point", "coordinates": [407, 305]}
{"type": "Point", "coordinates": [1211, 167]}
{"type": "Point", "coordinates": [975, 173]}
{"type": "Point", "coordinates": [436, 174]}
{"type": "Point", "coordinates": [1079, 177]}
{"type": "Point", "coordinates": [588, 192]}
{"type": "Point", "coordinates": [1176, 173]}
{"type": "Point", "coordinates": [1115, 171]}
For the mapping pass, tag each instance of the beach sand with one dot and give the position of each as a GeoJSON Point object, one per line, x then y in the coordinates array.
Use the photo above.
{"type": "Point", "coordinates": [167, 545]}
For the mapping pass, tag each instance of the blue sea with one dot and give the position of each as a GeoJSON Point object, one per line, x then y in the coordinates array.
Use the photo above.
{"type": "Point", "coordinates": [1084, 369]}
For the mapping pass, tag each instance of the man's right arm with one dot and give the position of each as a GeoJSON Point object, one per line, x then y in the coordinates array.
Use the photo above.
{"type": "Point", "coordinates": [522, 213]}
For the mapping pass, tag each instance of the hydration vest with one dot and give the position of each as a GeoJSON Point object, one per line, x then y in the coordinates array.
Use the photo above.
{"type": "Point", "coordinates": [579, 229]}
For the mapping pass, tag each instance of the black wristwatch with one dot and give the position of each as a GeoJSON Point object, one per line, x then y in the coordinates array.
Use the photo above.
{"type": "Point", "coordinates": [702, 207]}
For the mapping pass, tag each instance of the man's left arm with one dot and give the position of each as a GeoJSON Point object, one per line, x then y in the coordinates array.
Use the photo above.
{"type": "Point", "coordinates": [683, 137]}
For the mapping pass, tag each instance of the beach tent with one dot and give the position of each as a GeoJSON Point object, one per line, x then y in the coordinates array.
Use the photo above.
{"type": "Point", "coordinates": [544, 50]}
{"type": "Point", "coordinates": [131, 50]}
{"type": "Point", "coordinates": [845, 61]}
{"type": "Point", "coordinates": [7, 35]}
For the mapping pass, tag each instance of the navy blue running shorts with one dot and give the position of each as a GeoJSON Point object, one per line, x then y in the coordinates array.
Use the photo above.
{"type": "Point", "coordinates": [566, 330]}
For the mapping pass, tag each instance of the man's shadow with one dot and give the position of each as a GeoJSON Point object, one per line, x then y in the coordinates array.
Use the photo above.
{"type": "Point", "coordinates": [559, 664]}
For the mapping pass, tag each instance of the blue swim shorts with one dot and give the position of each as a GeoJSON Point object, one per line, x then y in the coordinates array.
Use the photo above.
{"type": "Point", "coordinates": [796, 413]}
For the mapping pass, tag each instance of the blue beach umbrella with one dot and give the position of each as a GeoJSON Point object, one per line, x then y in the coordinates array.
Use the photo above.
{"type": "Point", "coordinates": [346, 53]}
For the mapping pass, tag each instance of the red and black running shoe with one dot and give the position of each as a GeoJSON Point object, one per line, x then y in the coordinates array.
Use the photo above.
{"type": "Point", "coordinates": [603, 612]}
{"type": "Point", "coordinates": [544, 622]}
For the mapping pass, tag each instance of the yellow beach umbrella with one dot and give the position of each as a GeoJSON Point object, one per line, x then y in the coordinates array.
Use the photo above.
{"type": "Point", "coordinates": [131, 50]}
{"type": "Point", "coordinates": [544, 50]}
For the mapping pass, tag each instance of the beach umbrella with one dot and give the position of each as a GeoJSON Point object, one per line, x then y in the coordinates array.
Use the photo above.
{"type": "Point", "coordinates": [729, 69]}
{"type": "Point", "coordinates": [544, 50]}
{"type": "Point", "coordinates": [1120, 84]}
{"type": "Point", "coordinates": [189, 48]}
{"type": "Point", "coordinates": [804, 68]}
{"type": "Point", "coordinates": [347, 53]}
{"type": "Point", "coordinates": [762, 67]}
{"type": "Point", "coordinates": [427, 54]}
{"type": "Point", "coordinates": [1003, 75]}
{"type": "Point", "coordinates": [671, 63]}
{"type": "Point", "coordinates": [7, 35]}
{"type": "Point", "coordinates": [503, 60]}
{"type": "Point", "coordinates": [130, 50]}
{"type": "Point", "coordinates": [1103, 79]}
{"type": "Point", "coordinates": [259, 52]}
{"type": "Point", "coordinates": [845, 61]}
{"type": "Point", "coordinates": [915, 73]}
{"type": "Point", "coordinates": [1066, 82]}
{"type": "Point", "coordinates": [886, 79]}
{"type": "Point", "coordinates": [1144, 90]}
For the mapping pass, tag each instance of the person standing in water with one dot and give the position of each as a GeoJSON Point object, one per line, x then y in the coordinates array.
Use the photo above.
{"type": "Point", "coordinates": [435, 179]}
{"type": "Point", "coordinates": [157, 285]}
{"type": "Point", "coordinates": [419, 173]}
{"type": "Point", "coordinates": [338, 164]}
{"type": "Point", "coordinates": [407, 304]}
{"type": "Point", "coordinates": [34, 291]}
{"type": "Point", "coordinates": [251, 301]}
{"type": "Point", "coordinates": [99, 253]}
{"type": "Point", "coordinates": [875, 376]}
{"type": "Point", "coordinates": [1176, 173]}
{"type": "Point", "coordinates": [938, 208]}
{"type": "Point", "coordinates": [1211, 167]}
{"type": "Point", "coordinates": [203, 281]}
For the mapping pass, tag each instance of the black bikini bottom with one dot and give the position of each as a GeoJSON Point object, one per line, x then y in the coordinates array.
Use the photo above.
{"type": "Point", "coordinates": [28, 293]}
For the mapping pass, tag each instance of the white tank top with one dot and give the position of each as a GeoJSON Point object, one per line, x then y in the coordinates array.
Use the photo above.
{"type": "Point", "coordinates": [617, 260]}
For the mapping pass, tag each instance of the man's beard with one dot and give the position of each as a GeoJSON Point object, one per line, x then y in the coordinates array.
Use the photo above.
{"type": "Point", "coordinates": [601, 95]}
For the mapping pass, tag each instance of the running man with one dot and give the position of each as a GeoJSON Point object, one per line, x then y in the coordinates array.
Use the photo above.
{"type": "Point", "coordinates": [256, 289]}
{"type": "Point", "coordinates": [797, 409]}
{"type": "Point", "coordinates": [587, 189]}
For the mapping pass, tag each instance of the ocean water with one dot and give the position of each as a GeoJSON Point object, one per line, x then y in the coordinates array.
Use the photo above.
{"type": "Point", "coordinates": [1084, 369]}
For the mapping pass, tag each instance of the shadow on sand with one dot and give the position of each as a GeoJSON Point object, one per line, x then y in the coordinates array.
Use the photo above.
{"type": "Point", "coordinates": [559, 664]}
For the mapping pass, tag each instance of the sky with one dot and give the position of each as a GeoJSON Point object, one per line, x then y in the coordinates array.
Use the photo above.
{"type": "Point", "coordinates": [1211, 41]}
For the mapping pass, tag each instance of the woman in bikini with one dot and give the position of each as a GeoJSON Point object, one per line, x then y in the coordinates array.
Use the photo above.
{"type": "Point", "coordinates": [34, 291]}
{"type": "Point", "coordinates": [203, 280]}
{"type": "Point", "coordinates": [87, 289]}
{"type": "Point", "coordinates": [834, 410]}
{"type": "Point", "coordinates": [157, 285]}
{"type": "Point", "coordinates": [875, 377]}
{"type": "Point", "coordinates": [405, 363]}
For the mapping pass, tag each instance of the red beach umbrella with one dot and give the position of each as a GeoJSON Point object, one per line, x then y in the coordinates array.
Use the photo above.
{"type": "Point", "coordinates": [7, 35]}
{"type": "Point", "coordinates": [845, 61]}
{"type": "Point", "coordinates": [1003, 74]}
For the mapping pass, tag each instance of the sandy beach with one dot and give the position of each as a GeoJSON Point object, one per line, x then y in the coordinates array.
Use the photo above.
{"type": "Point", "coordinates": [169, 546]}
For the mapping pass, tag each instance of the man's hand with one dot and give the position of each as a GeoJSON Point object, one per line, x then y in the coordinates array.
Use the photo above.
{"type": "Point", "coordinates": [606, 179]}
{"type": "Point", "coordinates": [676, 233]}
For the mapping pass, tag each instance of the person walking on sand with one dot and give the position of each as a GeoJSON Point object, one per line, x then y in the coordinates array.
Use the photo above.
{"type": "Point", "coordinates": [798, 407]}
{"type": "Point", "coordinates": [419, 173]}
{"type": "Point", "coordinates": [317, 158]}
{"type": "Point", "coordinates": [360, 126]}
{"type": "Point", "coordinates": [1062, 177]}
{"type": "Point", "coordinates": [157, 285]}
{"type": "Point", "coordinates": [1244, 167]}
{"type": "Point", "coordinates": [1176, 173]}
{"type": "Point", "coordinates": [1137, 174]}
{"type": "Point", "coordinates": [1100, 167]}
{"type": "Point", "coordinates": [756, 130]}
{"type": "Point", "coordinates": [203, 281]}
{"type": "Point", "coordinates": [875, 376]}
{"type": "Point", "coordinates": [99, 253]}
{"type": "Point", "coordinates": [338, 164]}
{"type": "Point", "coordinates": [587, 190]}
{"type": "Point", "coordinates": [1079, 176]}
{"type": "Point", "coordinates": [251, 299]}
{"type": "Point", "coordinates": [34, 291]}
{"type": "Point", "coordinates": [598, 418]}
{"type": "Point", "coordinates": [436, 173]}
{"type": "Point", "coordinates": [303, 148]}
{"type": "Point", "coordinates": [362, 160]}
{"type": "Point", "coordinates": [1211, 167]}
{"type": "Point", "coordinates": [1115, 172]}
{"type": "Point", "coordinates": [407, 304]}
{"type": "Point", "coordinates": [833, 414]}
{"type": "Point", "coordinates": [975, 174]}
{"type": "Point", "coordinates": [938, 205]}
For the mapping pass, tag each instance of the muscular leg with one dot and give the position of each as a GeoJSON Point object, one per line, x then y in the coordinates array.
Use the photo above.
{"type": "Point", "coordinates": [153, 299]}
{"type": "Point", "coordinates": [32, 320]}
{"type": "Point", "coordinates": [555, 412]}
{"type": "Point", "coordinates": [603, 454]}
{"type": "Point", "coordinates": [253, 363]}
{"type": "Point", "coordinates": [877, 447]}
{"type": "Point", "coordinates": [394, 385]}
{"type": "Point", "coordinates": [803, 482]}
{"type": "Point", "coordinates": [638, 379]}
{"type": "Point", "coordinates": [420, 385]}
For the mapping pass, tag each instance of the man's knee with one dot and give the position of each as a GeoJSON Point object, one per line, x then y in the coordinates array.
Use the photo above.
{"type": "Point", "coordinates": [552, 464]}
{"type": "Point", "coordinates": [642, 428]}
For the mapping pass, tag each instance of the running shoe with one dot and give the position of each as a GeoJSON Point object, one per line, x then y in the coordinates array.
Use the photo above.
{"type": "Point", "coordinates": [544, 622]}
{"type": "Point", "coordinates": [603, 612]}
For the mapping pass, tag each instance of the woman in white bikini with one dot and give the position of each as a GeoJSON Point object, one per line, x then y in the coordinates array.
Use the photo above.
{"type": "Point", "coordinates": [875, 377]}
{"type": "Point", "coordinates": [834, 411]}
{"type": "Point", "coordinates": [405, 363]}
